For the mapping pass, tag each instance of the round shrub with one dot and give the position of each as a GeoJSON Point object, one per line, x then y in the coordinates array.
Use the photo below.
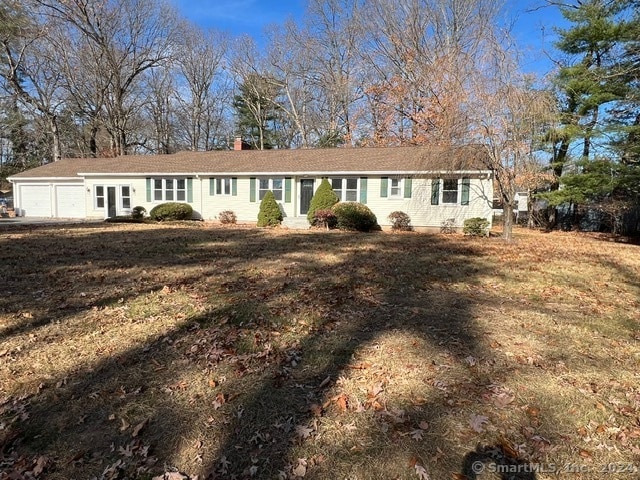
{"type": "Point", "coordinates": [324, 218]}
{"type": "Point", "coordinates": [171, 211]}
{"type": "Point", "coordinates": [323, 199]}
{"type": "Point", "coordinates": [227, 217]}
{"type": "Point", "coordinates": [269, 214]}
{"type": "Point", "coordinates": [400, 221]}
{"type": "Point", "coordinates": [137, 213]}
{"type": "Point", "coordinates": [476, 227]}
{"type": "Point", "coordinates": [354, 216]}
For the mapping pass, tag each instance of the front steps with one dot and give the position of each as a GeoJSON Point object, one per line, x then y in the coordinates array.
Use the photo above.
{"type": "Point", "coordinates": [295, 223]}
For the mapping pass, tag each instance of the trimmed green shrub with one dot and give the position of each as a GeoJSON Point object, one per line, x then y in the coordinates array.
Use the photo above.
{"type": "Point", "coordinates": [171, 211]}
{"type": "Point", "coordinates": [354, 216]}
{"type": "Point", "coordinates": [400, 221]}
{"type": "Point", "coordinates": [324, 218]}
{"type": "Point", "coordinates": [323, 199]}
{"type": "Point", "coordinates": [227, 217]}
{"type": "Point", "coordinates": [476, 227]}
{"type": "Point", "coordinates": [270, 214]}
{"type": "Point", "coordinates": [138, 212]}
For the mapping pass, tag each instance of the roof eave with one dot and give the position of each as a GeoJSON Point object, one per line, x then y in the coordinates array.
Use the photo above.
{"type": "Point", "coordinates": [14, 179]}
{"type": "Point", "coordinates": [297, 173]}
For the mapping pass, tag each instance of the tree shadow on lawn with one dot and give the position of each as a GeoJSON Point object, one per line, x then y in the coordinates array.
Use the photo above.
{"type": "Point", "coordinates": [329, 301]}
{"type": "Point", "coordinates": [56, 272]}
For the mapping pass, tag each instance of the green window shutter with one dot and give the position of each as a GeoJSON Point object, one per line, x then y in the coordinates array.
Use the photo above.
{"type": "Point", "coordinates": [252, 189]}
{"type": "Point", "coordinates": [287, 190]}
{"type": "Point", "coordinates": [234, 186]}
{"type": "Point", "coordinates": [212, 186]}
{"type": "Point", "coordinates": [148, 189]}
{"type": "Point", "coordinates": [384, 187]}
{"type": "Point", "coordinates": [363, 189]}
{"type": "Point", "coordinates": [466, 187]}
{"type": "Point", "coordinates": [189, 190]}
{"type": "Point", "coordinates": [435, 191]}
{"type": "Point", "coordinates": [407, 187]}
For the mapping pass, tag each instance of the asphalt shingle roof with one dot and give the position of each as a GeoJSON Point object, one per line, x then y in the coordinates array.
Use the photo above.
{"type": "Point", "coordinates": [299, 161]}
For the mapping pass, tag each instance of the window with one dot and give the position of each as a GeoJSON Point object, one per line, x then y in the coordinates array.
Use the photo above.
{"type": "Point", "coordinates": [273, 184]}
{"type": "Point", "coordinates": [125, 196]}
{"type": "Point", "coordinates": [157, 189]}
{"type": "Point", "coordinates": [99, 196]}
{"type": "Point", "coordinates": [450, 190]}
{"type": "Point", "coordinates": [223, 186]}
{"type": "Point", "coordinates": [169, 189]}
{"type": "Point", "coordinates": [345, 188]}
{"type": "Point", "coordinates": [395, 187]}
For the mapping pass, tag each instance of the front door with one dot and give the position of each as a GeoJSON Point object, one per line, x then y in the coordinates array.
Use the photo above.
{"type": "Point", "coordinates": [111, 202]}
{"type": "Point", "coordinates": [306, 194]}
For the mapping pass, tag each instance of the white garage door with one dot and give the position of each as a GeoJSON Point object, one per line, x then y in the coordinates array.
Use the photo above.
{"type": "Point", "coordinates": [35, 200]}
{"type": "Point", "coordinates": [70, 201]}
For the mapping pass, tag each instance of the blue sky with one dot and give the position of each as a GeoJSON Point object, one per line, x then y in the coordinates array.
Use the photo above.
{"type": "Point", "coordinates": [533, 28]}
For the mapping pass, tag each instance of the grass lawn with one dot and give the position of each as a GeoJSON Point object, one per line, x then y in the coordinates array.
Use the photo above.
{"type": "Point", "coordinates": [127, 351]}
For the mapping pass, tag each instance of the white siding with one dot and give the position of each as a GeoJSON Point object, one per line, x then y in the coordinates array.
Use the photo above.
{"type": "Point", "coordinates": [39, 197]}
{"type": "Point", "coordinates": [419, 207]}
{"type": "Point", "coordinates": [240, 204]}
{"type": "Point", "coordinates": [137, 193]}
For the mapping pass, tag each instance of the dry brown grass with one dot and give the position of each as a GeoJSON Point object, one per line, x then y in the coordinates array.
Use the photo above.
{"type": "Point", "coordinates": [129, 350]}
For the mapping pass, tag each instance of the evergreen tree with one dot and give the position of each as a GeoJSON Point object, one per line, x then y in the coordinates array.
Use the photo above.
{"type": "Point", "coordinates": [269, 214]}
{"type": "Point", "coordinates": [324, 198]}
{"type": "Point", "coordinates": [257, 110]}
{"type": "Point", "coordinates": [600, 105]}
{"type": "Point", "coordinates": [586, 86]}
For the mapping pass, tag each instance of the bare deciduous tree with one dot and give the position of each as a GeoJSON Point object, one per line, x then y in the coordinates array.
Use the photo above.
{"type": "Point", "coordinates": [421, 55]}
{"type": "Point", "coordinates": [30, 68]}
{"type": "Point", "coordinates": [132, 36]}
{"type": "Point", "coordinates": [508, 115]}
{"type": "Point", "coordinates": [199, 60]}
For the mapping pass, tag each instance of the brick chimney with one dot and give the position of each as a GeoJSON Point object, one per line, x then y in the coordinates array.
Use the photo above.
{"type": "Point", "coordinates": [238, 143]}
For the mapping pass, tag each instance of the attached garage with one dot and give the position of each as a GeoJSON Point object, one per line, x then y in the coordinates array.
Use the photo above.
{"type": "Point", "coordinates": [34, 200]}
{"type": "Point", "coordinates": [70, 201]}
{"type": "Point", "coordinates": [60, 198]}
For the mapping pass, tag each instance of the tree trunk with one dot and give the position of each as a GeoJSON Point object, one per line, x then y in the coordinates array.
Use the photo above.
{"type": "Point", "coordinates": [55, 133]}
{"type": "Point", "coordinates": [93, 144]}
{"type": "Point", "coordinates": [507, 222]}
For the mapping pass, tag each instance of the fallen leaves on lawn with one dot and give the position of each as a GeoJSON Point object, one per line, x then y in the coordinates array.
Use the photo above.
{"type": "Point", "coordinates": [342, 402]}
{"type": "Point", "coordinates": [421, 472]}
{"type": "Point", "coordinates": [171, 476]}
{"type": "Point", "coordinates": [138, 428]}
{"type": "Point", "coordinates": [477, 423]}
{"type": "Point", "coordinates": [301, 469]}
{"type": "Point", "coordinates": [303, 431]}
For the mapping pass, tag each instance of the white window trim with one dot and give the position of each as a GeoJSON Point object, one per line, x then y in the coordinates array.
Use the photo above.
{"type": "Point", "coordinates": [175, 189]}
{"type": "Point", "coordinates": [123, 196]}
{"type": "Point", "coordinates": [400, 194]}
{"type": "Point", "coordinates": [344, 189]}
{"type": "Point", "coordinates": [220, 181]}
{"type": "Point", "coordinates": [270, 185]}
{"type": "Point", "coordinates": [96, 196]}
{"type": "Point", "coordinates": [458, 192]}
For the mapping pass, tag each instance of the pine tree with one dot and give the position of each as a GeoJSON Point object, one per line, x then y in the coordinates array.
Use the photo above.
{"type": "Point", "coordinates": [586, 86]}
{"type": "Point", "coordinates": [600, 104]}
{"type": "Point", "coordinates": [256, 108]}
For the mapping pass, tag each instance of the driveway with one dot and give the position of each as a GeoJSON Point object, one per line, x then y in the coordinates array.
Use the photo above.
{"type": "Point", "coordinates": [45, 221]}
